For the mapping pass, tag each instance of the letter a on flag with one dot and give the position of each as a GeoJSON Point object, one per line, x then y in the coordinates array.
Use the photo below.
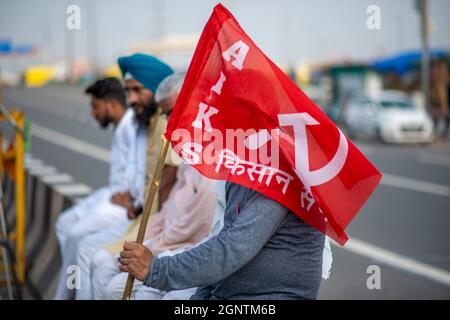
{"type": "Point", "coordinates": [240, 118]}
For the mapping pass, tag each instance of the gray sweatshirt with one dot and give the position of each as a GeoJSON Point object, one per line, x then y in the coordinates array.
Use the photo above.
{"type": "Point", "coordinates": [264, 251]}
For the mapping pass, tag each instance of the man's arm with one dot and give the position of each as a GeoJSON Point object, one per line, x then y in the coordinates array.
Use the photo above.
{"type": "Point", "coordinates": [223, 254]}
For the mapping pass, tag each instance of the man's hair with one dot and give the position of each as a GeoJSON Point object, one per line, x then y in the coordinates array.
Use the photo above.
{"type": "Point", "coordinates": [108, 88]}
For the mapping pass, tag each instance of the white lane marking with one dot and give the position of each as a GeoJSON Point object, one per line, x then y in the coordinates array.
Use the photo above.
{"type": "Point", "coordinates": [415, 185]}
{"type": "Point", "coordinates": [102, 154]}
{"type": "Point", "coordinates": [73, 189]}
{"type": "Point", "coordinates": [33, 162]}
{"type": "Point", "coordinates": [71, 143]}
{"type": "Point", "coordinates": [57, 178]}
{"type": "Point", "coordinates": [42, 170]}
{"type": "Point", "coordinates": [434, 158]}
{"type": "Point", "coordinates": [397, 261]}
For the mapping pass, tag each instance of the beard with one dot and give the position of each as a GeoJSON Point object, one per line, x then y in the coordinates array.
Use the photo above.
{"type": "Point", "coordinates": [104, 123]}
{"type": "Point", "coordinates": [148, 111]}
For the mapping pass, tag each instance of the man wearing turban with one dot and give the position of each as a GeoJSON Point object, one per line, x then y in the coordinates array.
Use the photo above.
{"type": "Point", "coordinates": [142, 75]}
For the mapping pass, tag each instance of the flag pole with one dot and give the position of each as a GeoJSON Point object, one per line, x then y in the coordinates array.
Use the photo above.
{"type": "Point", "coordinates": [148, 207]}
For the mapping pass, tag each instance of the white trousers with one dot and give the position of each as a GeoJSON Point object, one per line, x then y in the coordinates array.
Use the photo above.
{"type": "Point", "coordinates": [108, 282]}
{"type": "Point", "coordinates": [87, 250]}
{"type": "Point", "coordinates": [104, 266]}
{"type": "Point", "coordinates": [93, 215]}
{"type": "Point", "coordinates": [74, 214]}
{"type": "Point", "coordinates": [115, 288]}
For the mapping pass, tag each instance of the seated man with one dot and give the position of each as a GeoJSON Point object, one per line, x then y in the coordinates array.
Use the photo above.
{"type": "Point", "coordinates": [264, 251]}
{"type": "Point", "coordinates": [142, 74]}
{"type": "Point", "coordinates": [184, 220]}
{"type": "Point", "coordinates": [108, 106]}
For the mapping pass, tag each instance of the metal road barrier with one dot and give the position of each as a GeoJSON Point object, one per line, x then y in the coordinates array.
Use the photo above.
{"type": "Point", "coordinates": [12, 200]}
{"type": "Point", "coordinates": [51, 193]}
{"type": "Point", "coordinates": [48, 193]}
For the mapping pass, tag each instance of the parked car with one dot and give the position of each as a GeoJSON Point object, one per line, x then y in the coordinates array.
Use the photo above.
{"type": "Point", "coordinates": [389, 115]}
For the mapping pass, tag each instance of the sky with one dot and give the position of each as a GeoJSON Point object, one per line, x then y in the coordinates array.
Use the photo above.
{"type": "Point", "coordinates": [288, 31]}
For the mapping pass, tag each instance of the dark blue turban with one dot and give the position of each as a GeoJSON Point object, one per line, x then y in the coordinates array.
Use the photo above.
{"type": "Point", "coordinates": [146, 69]}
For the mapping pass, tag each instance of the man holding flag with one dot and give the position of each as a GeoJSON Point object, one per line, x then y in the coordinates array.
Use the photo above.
{"type": "Point", "coordinates": [280, 204]}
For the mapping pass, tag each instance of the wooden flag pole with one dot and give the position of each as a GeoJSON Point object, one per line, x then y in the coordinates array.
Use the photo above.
{"type": "Point", "coordinates": [148, 207]}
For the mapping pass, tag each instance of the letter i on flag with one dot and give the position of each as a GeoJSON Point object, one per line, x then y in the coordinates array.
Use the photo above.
{"type": "Point", "coordinates": [240, 118]}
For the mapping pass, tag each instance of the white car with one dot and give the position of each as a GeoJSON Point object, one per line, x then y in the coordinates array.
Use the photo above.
{"type": "Point", "coordinates": [390, 116]}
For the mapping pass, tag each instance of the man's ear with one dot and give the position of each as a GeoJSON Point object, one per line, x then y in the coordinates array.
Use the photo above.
{"type": "Point", "coordinates": [114, 105]}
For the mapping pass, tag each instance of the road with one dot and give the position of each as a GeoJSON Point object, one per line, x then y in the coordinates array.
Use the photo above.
{"type": "Point", "coordinates": [403, 230]}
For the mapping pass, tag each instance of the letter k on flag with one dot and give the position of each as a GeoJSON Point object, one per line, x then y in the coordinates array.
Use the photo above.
{"type": "Point", "coordinates": [240, 118]}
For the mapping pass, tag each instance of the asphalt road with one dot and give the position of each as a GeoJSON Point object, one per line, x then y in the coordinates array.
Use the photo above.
{"type": "Point", "coordinates": [403, 229]}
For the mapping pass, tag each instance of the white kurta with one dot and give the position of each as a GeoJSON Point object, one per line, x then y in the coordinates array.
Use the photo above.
{"type": "Point", "coordinates": [122, 141]}
{"type": "Point", "coordinates": [94, 241]}
{"type": "Point", "coordinates": [96, 211]}
{"type": "Point", "coordinates": [135, 173]}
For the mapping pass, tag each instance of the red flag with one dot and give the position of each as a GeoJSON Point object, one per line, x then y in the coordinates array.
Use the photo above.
{"type": "Point", "coordinates": [240, 118]}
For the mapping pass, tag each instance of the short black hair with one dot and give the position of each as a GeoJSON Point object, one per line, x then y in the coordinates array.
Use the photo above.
{"type": "Point", "coordinates": [108, 88]}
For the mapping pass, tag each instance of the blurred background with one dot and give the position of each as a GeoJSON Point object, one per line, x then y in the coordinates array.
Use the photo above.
{"type": "Point", "coordinates": [378, 68]}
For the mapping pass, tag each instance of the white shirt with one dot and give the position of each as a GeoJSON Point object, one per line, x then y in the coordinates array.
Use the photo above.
{"type": "Point", "coordinates": [135, 172]}
{"type": "Point", "coordinates": [122, 141]}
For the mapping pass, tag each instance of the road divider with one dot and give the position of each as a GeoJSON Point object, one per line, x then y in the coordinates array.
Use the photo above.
{"type": "Point", "coordinates": [49, 192]}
